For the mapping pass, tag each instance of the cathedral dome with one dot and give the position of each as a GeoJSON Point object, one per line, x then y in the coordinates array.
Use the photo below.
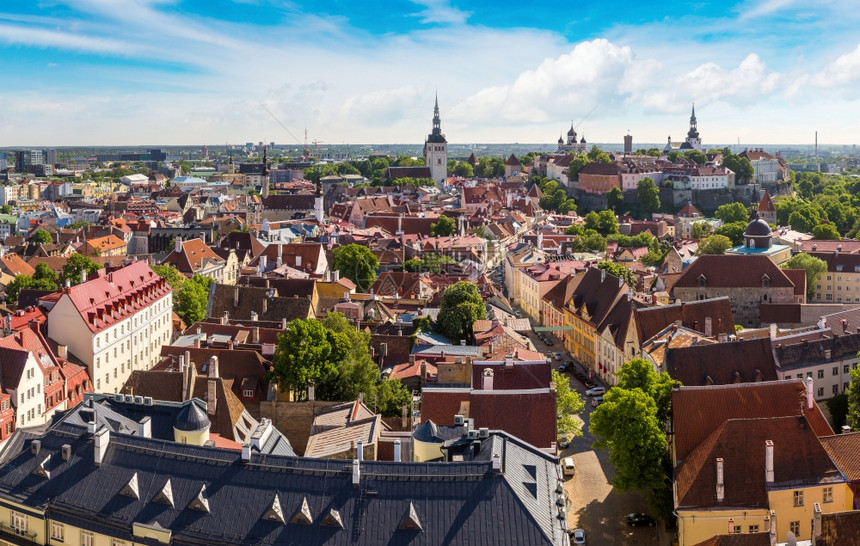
{"type": "Point", "coordinates": [758, 228]}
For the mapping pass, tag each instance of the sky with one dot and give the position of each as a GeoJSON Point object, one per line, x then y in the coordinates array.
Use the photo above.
{"type": "Point", "coordinates": [136, 72]}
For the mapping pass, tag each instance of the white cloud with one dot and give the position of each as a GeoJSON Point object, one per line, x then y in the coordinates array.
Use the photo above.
{"type": "Point", "coordinates": [440, 11]}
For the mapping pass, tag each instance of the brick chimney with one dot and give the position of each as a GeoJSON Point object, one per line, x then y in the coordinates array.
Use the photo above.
{"type": "Point", "coordinates": [212, 396]}
{"type": "Point", "coordinates": [213, 367]}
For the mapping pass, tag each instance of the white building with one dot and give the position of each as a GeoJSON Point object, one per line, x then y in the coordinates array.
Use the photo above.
{"type": "Point", "coordinates": [115, 323]}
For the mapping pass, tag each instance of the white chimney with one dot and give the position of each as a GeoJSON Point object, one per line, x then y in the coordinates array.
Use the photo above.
{"type": "Point", "coordinates": [246, 453]}
{"type": "Point", "coordinates": [299, 260]}
{"type": "Point", "coordinates": [213, 367]}
{"type": "Point", "coordinates": [396, 451]}
{"type": "Point", "coordinates": [497, 463]}
{"type": "Point", "coordinates": [144, 427]}
{"type": "Point", "coordinates": [809, 399]}
{"type": "Point", "coordinates": [487, 384]}
{"type": "Point", "coordinates": [816, 522]}
{"type": "Point", "coordinates": [768, 461]}
{"type": "Point", "coordinates": [83, 276]}
{"type": "Point", "coordinates": [211, 396]}
{"type": "Point", "coordinates": [356, 473]}
{"type": "Point", "coordinates": [101, 439]}
{"type": "Point", "coordinates": [359, 450]}
{"type": "Point", "coordinates": [721, 486]}
{"type": "Point", "coordinates": [773, 330]}
{"type": "Point", "coordinates": [709, 327]}
{"type": "Point", "coordinates": [846, 429]}
{"type": "Point", "coordinates": [602, 275]}
{"type": "Point", "coordinates": [178, 244]}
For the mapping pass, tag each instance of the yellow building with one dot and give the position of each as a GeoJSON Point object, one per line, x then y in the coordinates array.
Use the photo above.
{"type": "Point", "coordinates": [747, 457]}
{"type": "Point", "coordinates": [841, 282]}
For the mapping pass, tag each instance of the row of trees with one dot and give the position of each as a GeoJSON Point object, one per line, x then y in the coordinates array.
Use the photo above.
{"type": "Point", "coordinates": [334, 357]}
{"type": "Point", "coordinates": [47, 279]}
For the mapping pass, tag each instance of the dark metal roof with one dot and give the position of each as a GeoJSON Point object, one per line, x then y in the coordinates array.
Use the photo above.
{"type": "Point", "coordinates": [456, 503]}
{"type": "Point", "coordinates": [192, 417]}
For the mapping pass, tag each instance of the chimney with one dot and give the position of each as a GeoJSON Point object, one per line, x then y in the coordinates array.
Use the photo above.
{"type": "Point", "coordinates": [335, 275]}
{"type": "Point", "coordinates": [188, 358]}
{"type": "Point", "coordinates": [67, 452]}
{"type": "Point", "coordinates": [356, 473]}
{"type": "Point", "coordinates": [396, 451]}
{"type": "Point", "coordinates": [178, 244]}
{"type": "Point", "coordinates": [487, 379]}
{"type": "Point", "coordinates": [284, 323]}
{"type": "Point", "coordinates": [423, 371]}
{"type": "Point", "coordinates": [263, 263]}
{"type": "Point", "coordinates": [265, 305]}
{"type": "Point", "coordinates": [144, 427]}
{"type": "Point", "coordinates": [816, 523]}
{"type": "Point", "coordinates": [768, 461]}
{"type": "Point", "coordinates": [809, 399]}
{"type": "Point", "coordinates": [602, 276]}
{"type": "Point", "coordinates": [211, 396]}
{"type": "Point", "coordinates": [63, 351]}
{"type": "Point", "coordinates": [709, 327]}
{"type": "Point", "coordinates": [731, 525]}
{"type": "Point", "coordinates": [721, 486]}
{"type": "Point", "coordinates": [773, 330]}
{"type": "Point", "coordinates": [311, 393]}
{"type": "Point", "coordinates": [83, 276]}
{"type": "Point", "coordinates": [404, 417]}
{"type": "Point", "coordinates": [846, 429]}
{"type": "Point", "coordinates": [226, 318]}
{"type": "Point", "coordinates": [770, 527]}
{"type": "Point", "coordinates": [359, 450]}
{"type": "Point", "coordinates": [235, 297]}
{"type": "Point", "coordinates": [246, 453]}
{"type": "Point", "coordinates": [213, 367]}
{"type": "Point", "coordinates": [497, 463]}
{"type": "Point", "coordinates": [101, 439]}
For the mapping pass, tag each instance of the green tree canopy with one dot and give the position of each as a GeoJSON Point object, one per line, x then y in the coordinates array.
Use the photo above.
{"type": "Point", "coordinates": [741, 166]}
{"type": "Point", "coordinates": [444, 226]}
{"type": "Point", "coordinates": [357, 263]}
{"type": "Point", "coordinates": [615, 199]}
{"type": "Point", "coordinates": [825, 232]}
{"type": "Point", "coordinates": [191, 299]}
{"type": "Point", "coordinates": [305, 354]}
{"type": "Point", "coordinates": [732, 212]}
{"type": "Point", "coordinates": [596, 155]}
{"type": "Point", "coordinates": [647, 196]}
{"type": "Point", "coordinates": [41, 236]}
{"type": "Point", "coordinates": [461, 306]}
{"type": "Point", "coordinates": [43, 279]}
{"type": "Point", "coordinates": [813, 266]}
{"type": "Point", "coordinates": [734, 231]}
{"type": "Point", "coordinates": [75, 265]}
{"type": "Point", "coordinates": [568, 404]}
{"type": "Point", "coordinates": [640, 374]}
{"type": "Point", "coordinates": [700, 229]}
{"type": "Point", "coordinates": [696, 156]}
{"type": "Point", "coordinates": [853, 392]}
{"type": "Point", "coordinates": [169, 273]}
{"type": "Point", "coordinates": [715, 244]}
{"type": "Point", "coordinates": [619, 271]}
{"type": "Point", "coordinates": [463, 170]}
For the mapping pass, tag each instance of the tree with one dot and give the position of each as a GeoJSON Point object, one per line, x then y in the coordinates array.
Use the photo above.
{"type": "Point", "coordinates": [813, 266]}
{"type": "Point", "coordinates": [357, 263]}
{"type": "Point", "coordinates": [701, 229]}
{"type": "Point", "coordinates": [463, 170]}
{"type": "Point", "coordinates": [734, 231]}
{"type": "Point", "coordinates": [5, 209]}
{"type": "Point", "coordinates": [354, 371]}
{"type": "Point", "coordinates": [443, 227]}
{"type": "Point", "coordinates": [576, 164]}
{"type": "Point", "coordinates": [715, 244]}
{"type": "Point", "coordinates": [853, 392]}
{"type": "Point", "coordinates": [596, 155]}
{"type": "Point", "coordinates": [826, 232]}
{"type": "Point", "coordinates": [41, 237]}
{"type": "Point", "coordinates": [303, 356]}
{"type": "Point", "coordinates": [461, 306]}
{"type": "Point", "coordinates": [390, 397]}
{"type": "Point", "coordinates": [640, 374]}
{"type": "Point", "coordinates": [607, 223]}
{"type": "Point", "coordinates": [44, 279]}
{"type": "Point", "coordinates": [838, 409]}
{"type": "Point", "coordinates": [568, 404]}
{"type": "Point", "coordinates": [75, 265]}
{"type": "Point", "coordinates": [619, 271]}
{"type": "Point", "coordinates": [169, 273]}
{"type": "Point", "coordinates": [805, 217]}
{"type": "Point", "coordinates": [648, 196]}
{"type": "Point", "coordinates": [614, 199]}
{"type": "Point", "coordinates": [732, 212]}
{"type": "Point", "coordinates": [741, 166]}
{"type": "Point", "coordinates": [697, 156]}
{"type": "Point", "coordinates": [191, 300]}
{"type": "Point", "coordinates": [78, 225]}
{"type": "Point", "coordinates": [626, 424]}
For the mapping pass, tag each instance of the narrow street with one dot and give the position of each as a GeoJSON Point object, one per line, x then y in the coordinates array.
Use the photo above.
{"type": "Point", "coordinates": [594, 505]}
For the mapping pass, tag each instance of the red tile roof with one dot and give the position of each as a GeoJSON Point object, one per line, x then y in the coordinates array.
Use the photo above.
{"type": "Point", "coordinates": [730, 271]}
{"type": "Point", "coordinates": [106, 300]}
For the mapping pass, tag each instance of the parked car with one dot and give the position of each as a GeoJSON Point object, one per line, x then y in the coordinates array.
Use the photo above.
{"type": "Point", "coordinates": [638, 519]}
{"type": "Point", "coordinates": [596, 401]}
{"type": "Point", "coordinates": [563, 441]}
{"type": "Point", "coordinates": [556, 356]}
{"type": "Point", "coordinates": [577, 537]}
{"type": "Point", "coordinates": [563, 367]}
{"type": "Point", "coordinates": [589, 384]}
{"type": "Point", "coordinates": [568, 468]}
{"type": "Point", "coordinates": [548, 341]}
{"type": "Point", "coordinates": [595, 391]}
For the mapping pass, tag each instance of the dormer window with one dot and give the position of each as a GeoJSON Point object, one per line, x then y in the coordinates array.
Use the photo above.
{"type": "Point", "coordinates": [703, 281]}
{"type": "Point", "coordinates": [765, 281]}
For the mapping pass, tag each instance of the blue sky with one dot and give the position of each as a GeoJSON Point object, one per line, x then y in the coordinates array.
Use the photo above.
{"type": "Point", "coordinates": [124, 72]}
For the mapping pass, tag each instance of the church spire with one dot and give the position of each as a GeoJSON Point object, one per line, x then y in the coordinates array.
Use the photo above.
{"type": "Point", "coordinates": [437, 125]}
{"type": "Point", "coordinates": [694, 130]}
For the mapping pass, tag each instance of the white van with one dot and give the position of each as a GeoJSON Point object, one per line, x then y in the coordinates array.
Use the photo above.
{"type": "Point", "coordinates": [568, 467]}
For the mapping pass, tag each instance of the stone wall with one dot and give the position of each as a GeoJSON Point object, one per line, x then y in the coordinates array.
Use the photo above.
{"type": "Point", "coordinates": [745, 301]}
{"type": "Point", "coordinates": [294, 419]}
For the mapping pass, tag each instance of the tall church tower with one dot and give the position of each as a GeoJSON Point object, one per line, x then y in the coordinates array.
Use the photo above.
{"type": "Point", "coordinates": [436, 150]}
{"type": "Point", "coordinates": [264, 177]}
{"type": "Point", "coordinates": [693, 134]}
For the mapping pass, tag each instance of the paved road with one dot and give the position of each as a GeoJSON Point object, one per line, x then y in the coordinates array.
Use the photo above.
{"type": "Point", "coordinates": [595, 505]}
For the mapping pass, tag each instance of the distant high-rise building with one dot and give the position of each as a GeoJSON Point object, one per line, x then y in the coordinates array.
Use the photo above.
{"type": "Point", "coordinates": [50, 157]}
{"type": "Point", "coordinates": [436, 150]}
{"type": "Point", "coordinates": [205, 152]}
{"type": "Point", "coordinates": [24, 159]}
{"type": "Point", "coordinates": [157, 155]}
{"type": "Point", "coordinates": [628, 143]}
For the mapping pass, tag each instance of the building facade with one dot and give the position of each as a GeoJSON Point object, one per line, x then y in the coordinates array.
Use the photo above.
{"type": "Point", "coordinates": [436, 150]}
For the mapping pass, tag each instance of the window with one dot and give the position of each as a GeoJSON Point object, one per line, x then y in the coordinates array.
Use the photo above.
{"type": "Point", "coordinates": [827, 494]}
{"type": "Point", "coordinates": [820, 374]}
{"type": "Point", "coordinates": [835, 370]}
{"type": "Point", "coordinates": [845, 368]}
{"type": "Point", "coordinates": [19, 522]}
{"type": "Point", "coordinates": [794, 527]}
{"type": "Point", "coordinates": [835, 389]}
{"type": "Point", "coordinates": [57, 531]}
{"type": "Point", "coordinates": [737, 530]}
{"type": "Point", "coordinates": [798, 498]}
{"type": "Point", "coordinates": [86, 538]}
{"type": "Point", "coordinates": [117, 542]}
{"type": "Point", "coordinates": [753, 528]}
{"type": "Point", "coordinates": [820, 391]}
